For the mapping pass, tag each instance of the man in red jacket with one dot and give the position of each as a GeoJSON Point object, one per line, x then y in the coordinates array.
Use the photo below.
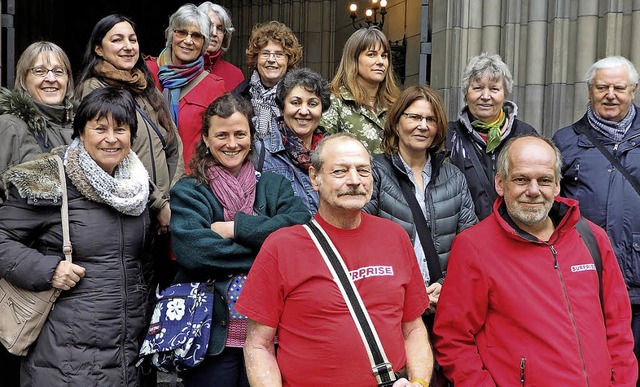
{"type": "Point", "coordinates": [521, 301]}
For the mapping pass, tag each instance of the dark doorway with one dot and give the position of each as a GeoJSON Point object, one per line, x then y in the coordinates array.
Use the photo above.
{"type": "Point", "coordinates": [68, 23]}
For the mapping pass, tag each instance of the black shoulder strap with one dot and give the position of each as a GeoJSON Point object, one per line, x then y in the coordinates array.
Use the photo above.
{"type": "Point", "coordinates": [488, 185]}
{"type": "Point", "coordinates": [590, 240]}
{"type": "Point", "coordinates": [422, 228]}
{"type": "Point", "coordinates": [261, 156]}
{"type": "Point", "coordinates": [155, 128]}
{"type": "Point", "coordinates": [582, 128]}
{"type": "Point", "coordinates": [380, 365]}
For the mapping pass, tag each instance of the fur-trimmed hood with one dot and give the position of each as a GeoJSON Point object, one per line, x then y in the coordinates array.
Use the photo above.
{"type": "Point", "coordinates": [36, 179]}
{"type": "Point", "coordinates": [20, 104]}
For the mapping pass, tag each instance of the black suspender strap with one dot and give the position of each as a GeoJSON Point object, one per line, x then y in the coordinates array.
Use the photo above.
{"type": "Point", "coordinates": [380, 365]}
{"type": "Point", "coordinates": [590, 240]}
{"type": "Point", "coordinates": [422, 228]}
{"type": "Point", "coordinates": [471, 152]}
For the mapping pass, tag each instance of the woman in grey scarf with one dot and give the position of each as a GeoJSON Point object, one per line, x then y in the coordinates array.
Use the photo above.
{"type": "Point", "coordinates": [91, 335]}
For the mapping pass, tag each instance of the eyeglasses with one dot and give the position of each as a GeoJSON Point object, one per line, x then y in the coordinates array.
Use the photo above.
{"type": "Point", "coordinates": [195, 36]}
{"type": "Point", "coordinates": [277, 54]}
{"type": "Point", "coordinates": [42, 72]}
{"type": "Point", "coordinates": [417, 118]}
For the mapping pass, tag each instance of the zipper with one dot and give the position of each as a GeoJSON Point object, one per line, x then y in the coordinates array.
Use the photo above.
{"type": "Point", "coordinates": [523, 362]}
{"type": "Point", "coordinates": [125, 302]}
{"type": "Point", "coordinates": [571, 316]}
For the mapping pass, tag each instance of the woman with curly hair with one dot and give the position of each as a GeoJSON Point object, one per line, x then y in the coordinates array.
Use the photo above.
{"type": "Point", "coordinates": [363, 88]}
{"type": "Point", "coordinates": [273, 50]}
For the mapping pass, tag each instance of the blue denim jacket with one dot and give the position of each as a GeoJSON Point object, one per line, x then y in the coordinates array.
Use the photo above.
{"type": "Point", "coordinates": [277, 161]}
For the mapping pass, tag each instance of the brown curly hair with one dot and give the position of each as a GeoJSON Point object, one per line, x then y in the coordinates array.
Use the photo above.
{"type": "Point", "coordinates": [279, 33]}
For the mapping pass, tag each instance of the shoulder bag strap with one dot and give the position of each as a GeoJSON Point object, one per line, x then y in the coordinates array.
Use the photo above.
{"type": "Point", "coordinates": [261, 156]}
{"type": "Point", "coordinates": [582, 128]}
{"type": "Point", "coordinates": [64, 211]}
{"type": "Point", "coordinates": [422, 228]}
{"type": "Point", "coordinates": [153, 125]}
{"type": "Point", "coordinates": [471, 150]}
{"type": "Point", "coordinates": [380, 365]}
{"type": "Point", "coordinates": [590, 241]}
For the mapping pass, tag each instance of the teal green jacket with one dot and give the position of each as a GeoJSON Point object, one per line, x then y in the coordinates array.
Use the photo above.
{"type": "Point", "coordinates": [203, 254]}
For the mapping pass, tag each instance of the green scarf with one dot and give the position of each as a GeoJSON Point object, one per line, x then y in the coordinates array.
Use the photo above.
{"type": "Point", "coordinates": [494, 130]}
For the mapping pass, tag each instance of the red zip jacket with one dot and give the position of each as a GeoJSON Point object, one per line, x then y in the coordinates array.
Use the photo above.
{"type": "Point", "coordinates": [516, 311]}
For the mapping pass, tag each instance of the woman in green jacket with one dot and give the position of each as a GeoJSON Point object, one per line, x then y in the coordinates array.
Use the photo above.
{"type": "Point", "coordinates": [221, 215]}
{"type": "Point", "coordinates": [363, 88]}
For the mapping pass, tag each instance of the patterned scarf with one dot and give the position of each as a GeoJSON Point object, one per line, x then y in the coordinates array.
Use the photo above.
{"type": "Point", "coordinates": [264, 105]}
{"type": "Point", "coordinates": [297, 151]}
{"type": "Point", "coordinates": [133, 80]}
{"type": "Point", "coordinates": [234, 193]}
{"type": "Point", "coordinates": [611, 129]}
{"type": "Point", "coordinates": [173, 77]}
{"type": "Point", "coordinates": [127, 191]}
{"type": "Point", "coordinates": [494, 130]}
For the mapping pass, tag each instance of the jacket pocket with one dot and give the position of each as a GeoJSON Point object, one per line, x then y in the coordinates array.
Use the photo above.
{"type": "Point", "coordinates": [633, 262]}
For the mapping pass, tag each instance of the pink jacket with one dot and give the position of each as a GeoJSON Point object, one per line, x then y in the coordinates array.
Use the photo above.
{"type": "Point", "coordinates": [517, 311]}
{"type": "Point", "coordinates": [191, 108]}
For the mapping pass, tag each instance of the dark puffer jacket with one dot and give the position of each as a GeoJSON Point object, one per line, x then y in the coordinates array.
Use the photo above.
{"type": "Point", "coordinates": [91, 337]}
{"type": "Point", "coordinates": [449, 204]}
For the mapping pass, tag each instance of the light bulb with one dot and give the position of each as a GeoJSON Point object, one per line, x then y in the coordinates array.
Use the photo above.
{"type": "Point", "coordinates": [369, 13]}
{"type": "Point", "coordinates": [353, 7]}
{"type": "Point", "coordinates": [383, 3]}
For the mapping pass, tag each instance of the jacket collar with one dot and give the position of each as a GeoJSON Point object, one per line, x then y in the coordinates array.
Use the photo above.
{"type": "Point", "coordinates": [564, 214]}
{"type": "Point", "coordinates": [38, 178]}
{"type": "Point", "coordinates": [436, 158]}
{"type": "Point", "coordinates": [510, 108]}
{"type": "Point", "coordinates": [35, 114]}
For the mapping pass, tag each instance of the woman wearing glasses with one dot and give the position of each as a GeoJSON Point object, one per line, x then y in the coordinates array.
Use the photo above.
{"type": "Point", "coordinates": [363, 88]}
{"type": "Point", "coordinates": [220, 40]}
{"type": "Point", "coordinates": [179, 73]}
{"type": "Point", "coordinates": [34, 118]}
{"type": "Point", "coordinates": [414, 162]}
{"type": "Point", "coordinates": [37, 114]}
{"type": "Point", "coordinates": [273, 50]}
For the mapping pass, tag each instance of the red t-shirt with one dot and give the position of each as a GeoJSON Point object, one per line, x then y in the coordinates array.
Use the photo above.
{"type": "Point", "coordinates": [290, 287]}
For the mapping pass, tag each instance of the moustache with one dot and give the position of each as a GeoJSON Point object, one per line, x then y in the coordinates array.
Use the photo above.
{"type": "Point", "coordinates": [353, 192]}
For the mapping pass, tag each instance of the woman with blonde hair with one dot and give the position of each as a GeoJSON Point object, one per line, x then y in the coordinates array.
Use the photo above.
{"type": "Point", "coordinates": [363, 88]}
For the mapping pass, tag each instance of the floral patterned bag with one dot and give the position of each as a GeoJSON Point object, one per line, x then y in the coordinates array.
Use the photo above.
{"type": "Point", "coordinates": [180, 327]}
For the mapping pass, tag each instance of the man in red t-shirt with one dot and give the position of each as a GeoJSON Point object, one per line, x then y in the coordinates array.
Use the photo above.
{"type": "Point", "coordinates": [291, 291]}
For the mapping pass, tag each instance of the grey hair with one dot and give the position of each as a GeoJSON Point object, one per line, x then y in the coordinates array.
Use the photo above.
{"type": "Point", "coordinates": [490, 65]}
{"type": "Point", "coordinates": [307, 79]}
{"type": "Point", "coordinates": [225, 17]}
{"type": "Point", "coordinates": [188, 15]}
{"type": "Point", "coordinates": [502, 163]}
{"type": "Point", "coordinates": [610, 62]}
{"type": "Point", "coordinates": [316, 156]}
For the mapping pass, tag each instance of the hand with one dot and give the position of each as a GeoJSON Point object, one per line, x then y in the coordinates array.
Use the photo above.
{"type": "Point", "coordinates": [433, 291]}
{"type": "Point", "coordinates": [224, 229]}
{"type": "Point", "coordinates": [163, 217]}
{"type": "Point", "coordinates": [67, 275]}
{"type": "Point", "coordinates": [403, 382]}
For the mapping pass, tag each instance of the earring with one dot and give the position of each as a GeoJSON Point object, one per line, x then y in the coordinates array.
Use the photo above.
{"type": "Point", "coordinates": [208, 151]}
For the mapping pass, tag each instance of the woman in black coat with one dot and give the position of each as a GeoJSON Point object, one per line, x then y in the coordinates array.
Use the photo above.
{"type": "Point", "coordinates": [92, 334]}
